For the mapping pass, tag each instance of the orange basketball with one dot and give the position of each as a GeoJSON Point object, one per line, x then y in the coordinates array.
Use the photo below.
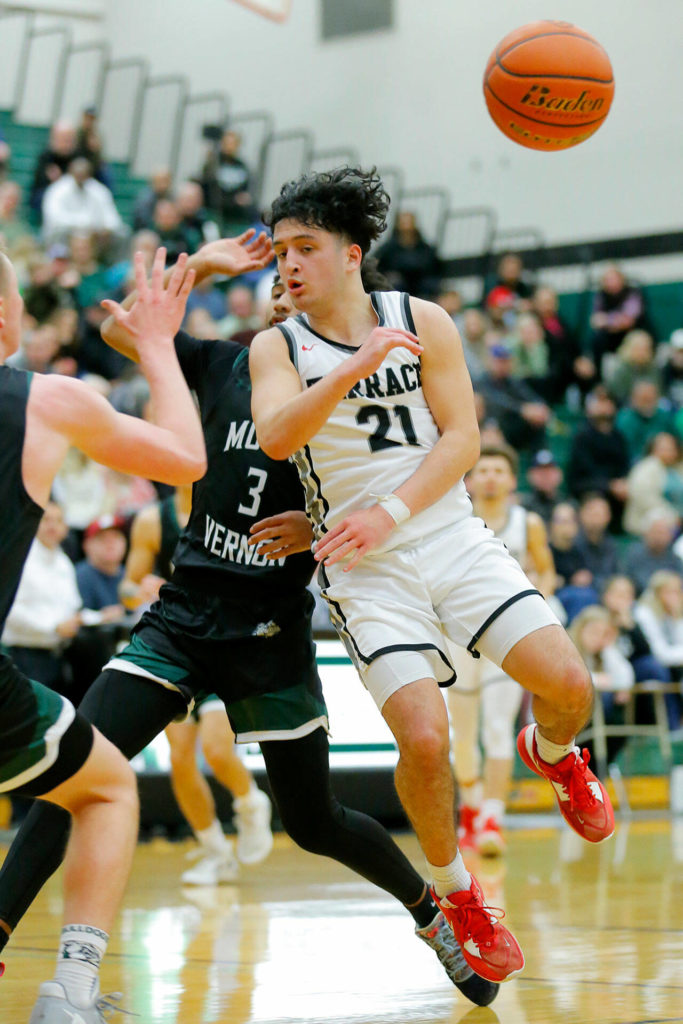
{"type": "Point", "coordinates": [548, 85]}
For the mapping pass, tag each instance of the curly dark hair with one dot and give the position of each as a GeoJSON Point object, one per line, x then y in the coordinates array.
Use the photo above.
{"type": "Point", "coordinates": [347, 201]}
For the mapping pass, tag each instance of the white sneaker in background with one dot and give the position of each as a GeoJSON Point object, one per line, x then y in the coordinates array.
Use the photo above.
{"type": "Point", "coordinates": [252, 821]}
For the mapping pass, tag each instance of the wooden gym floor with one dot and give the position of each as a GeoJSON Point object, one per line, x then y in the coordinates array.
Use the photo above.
{"type": "Point", "coordinates": [301, 939]}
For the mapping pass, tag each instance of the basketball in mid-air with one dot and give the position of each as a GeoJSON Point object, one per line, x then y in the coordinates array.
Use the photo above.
{"type": "Point", "coordinates": [548, 85]}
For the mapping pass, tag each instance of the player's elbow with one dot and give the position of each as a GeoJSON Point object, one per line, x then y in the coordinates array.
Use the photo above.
{"type": "Point", "coordinates": [188, 467]}
{"type": "Point", "coordinates": [273, 442]}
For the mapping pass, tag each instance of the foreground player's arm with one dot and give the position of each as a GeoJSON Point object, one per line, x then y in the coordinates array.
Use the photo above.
{"type": "Point", "coordinates": [541, 557]}
{"type": "Point", "coordinates": [139, 584]}
{"type": "Point", "coordinates": [228, 256]}
{"type": "Point", "coordinates": [171, 448]}
{"type": "Point", "coordinates": [285, 415]}
{"type": "Point", "coordinates": [448, 390]}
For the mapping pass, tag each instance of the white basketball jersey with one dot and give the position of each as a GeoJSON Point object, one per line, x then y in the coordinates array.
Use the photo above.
{"type": "Point", "coordinates": [514, 534]}
{"type": "Point", "coordinates": [377, 436]}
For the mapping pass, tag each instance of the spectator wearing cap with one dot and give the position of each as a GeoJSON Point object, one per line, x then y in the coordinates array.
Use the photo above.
{"type": "Point", "coordinates": [672, 370]}
{"type": "Point", "coordinates": [655, 483]}
{"type": "Point", "coordinates": [101, 572]}
{"type": "Point", "coordinates": [598, 457]}
{"type": "Point", "coordinates": [521, 414]}
{"type": "Point", "coordinates": [546, 479]}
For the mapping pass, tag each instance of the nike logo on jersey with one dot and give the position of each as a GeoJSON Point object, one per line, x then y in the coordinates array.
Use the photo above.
{"type": "Point", "coordinates": [308, 348]}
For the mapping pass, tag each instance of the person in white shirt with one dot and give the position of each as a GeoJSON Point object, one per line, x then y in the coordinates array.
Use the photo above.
{"type": "Point", "coordinates": [77, 202]}
{"type": "Point", "coordinates": [45, 614]}
{"type": "Point", "coordinates": [659, 613]}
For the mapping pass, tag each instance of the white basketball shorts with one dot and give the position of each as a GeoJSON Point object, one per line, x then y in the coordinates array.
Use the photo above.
{"type": "Point", "coordinates": [393, 609]}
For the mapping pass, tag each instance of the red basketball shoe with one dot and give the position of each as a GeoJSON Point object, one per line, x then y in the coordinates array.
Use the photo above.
{"type": "Point", "coordinates": [582, 798]}
{"type": "Point", "coordinates": [490, 841]}
{"type": "Point", "coordinates": [466, 830]}
{"type": "Point", "coordinates": [489, 948]}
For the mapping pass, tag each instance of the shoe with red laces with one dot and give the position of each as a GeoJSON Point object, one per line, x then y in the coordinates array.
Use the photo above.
{"type": "Point", "coordinates": [489, 948]}
{"type": "Point", "coordinates": [582, 798]}
{"type": "Point", "coordinates": [466, 830]}
{"type": "Point", "coordinates": [489, 839]}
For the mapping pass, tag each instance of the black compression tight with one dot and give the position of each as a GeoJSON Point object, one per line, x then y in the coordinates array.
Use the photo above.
{"type": "Point", "coordinates": [130, 711]}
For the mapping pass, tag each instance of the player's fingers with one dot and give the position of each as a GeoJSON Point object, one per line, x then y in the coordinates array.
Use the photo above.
{"type": "Point", "coordinates": [141, 276]}
{"type": "Point", "coordinates": [266, 534]}
{"type": "Point", "coordinates": [245, 236]}
{"type": "Point", "coordinates": [265, 523]}
{"type": "Point", "coordinates": [177, 277]}
{"type": "Point", "coordinates": [355, 560]}
{"type": "Point", "coordinates": [158, 271]}
{"type": "Point", "coordinates": [114, 310]}
{"type": "Point", "coordinates": [341, 551]}
{"type": "Point", "coordinates": [187, 285]}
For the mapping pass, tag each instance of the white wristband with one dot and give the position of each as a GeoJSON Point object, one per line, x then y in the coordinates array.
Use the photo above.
{"type": "Point", "coordinates": [391, 503]}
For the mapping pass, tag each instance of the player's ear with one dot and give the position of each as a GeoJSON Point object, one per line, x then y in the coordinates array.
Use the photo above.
{"type": "Point", "coordinates": [354, 256]}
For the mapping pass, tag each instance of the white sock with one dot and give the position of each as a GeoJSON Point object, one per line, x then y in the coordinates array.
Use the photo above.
{"type": "Point", "coordinates": [212, 838]}
{"type": "Point", "coordinates": [450, 877]}
{"type": "Point", "coordinates": [492, 809]}
{"type": "Point", "coordinates": [471, 794]}
{"type": "Point", "coordinates": [81, 949]}
{"type": "Point", "coordinates": [552, 753]}
{"type": "Point", "coordinates": [242, 802]}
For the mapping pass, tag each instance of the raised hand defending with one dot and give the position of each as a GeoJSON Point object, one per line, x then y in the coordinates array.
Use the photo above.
{"type": "Point", "coordinates": [234, 256]}
{"type": "Point", "coordinates": [158, 311]}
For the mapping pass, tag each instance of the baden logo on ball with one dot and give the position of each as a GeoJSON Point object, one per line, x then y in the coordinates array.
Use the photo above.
{"type": "Point", "coordinates": [548, 85]}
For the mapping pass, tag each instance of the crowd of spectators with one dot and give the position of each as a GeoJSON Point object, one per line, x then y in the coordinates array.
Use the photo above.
{"type": "Point", "coordinates": [610, 396]}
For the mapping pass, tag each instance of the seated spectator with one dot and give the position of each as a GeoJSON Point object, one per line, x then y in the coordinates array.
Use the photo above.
{"type": "Point", "coordinates": [39, 346]}
{"type": "Point", "coordinates": [654, 553]}
{"type": "Point", "coordinates": [644, 417]}
{"type": "Point", "coordinates": [78, 203]}
{"type": "Point", "coordinates": [617, 308]}
{"type": "Point", "coordinates": [521, 414]}
{"type": "Point", "coordinates": [545, 478]}
{"type": "Point", "coordinates": [53, 162]}
{"type": "Point", "coordinates": [13, 228]}
{"type": "Point", "coordinates": [597, 549]}
{"type": "Point", "coordinates": [45, 614]}
{"type": "Point", "coordinates": [195, 221]}
{"type": "Point", "coordinates": [655, 483]}
{"type": "Point", "coordinates": [501, 309]}
{"type": "Point", "coordinates": [511, 279]}
{"type": "Point", "coordinates": [659, 613]}
{"type": "Point", "coordinates": [619, 597]}
{"type": "Point", "coordinates": [634, 361]}
{"type": "Point", "coordinates": [226, 181]}
{"type": "Point", "coordinates": [450, 299]}
{"type": "Point", "coordinates": [166, 224]}
{"type": "Point", "coordinates": [89, 145]}
{"type": "Point", "coordinates": [205, 296]}
{"type": "Point", "coordinates": [598, 455]}
{"type": "Point", "coordinates": [596, 636]}
{"type": "Point", "coordinates": [530, 354]}
{"type": "Point", "coordinates": [45, 291]}
{"type": "Point", "coordinates": [408, 260]}
{"type": "Point", "coordinates": [672, 371]}
{"type": "Point", "coordinates": [563, 529]}
{"type": "Point", "coordinates": [101, 571]}
{"type": "Point", "coordinates": [159, 187]}
{"type": "Point", "coordinates": [473, 335]}
{"type": "Point", "coordinates": [80, 489]}
{"type": "Point", "coordinates": [241, 315]}
{"type": "Point", "coordinates": [567, 365]}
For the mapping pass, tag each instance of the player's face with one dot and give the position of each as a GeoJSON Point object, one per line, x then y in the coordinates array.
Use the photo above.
{"type": "Point", "coordinates": [310, 262]}
{"type": "Point", "coordinates": [491, 478]}
{"type": "Point", "coordinates": [279, 306]}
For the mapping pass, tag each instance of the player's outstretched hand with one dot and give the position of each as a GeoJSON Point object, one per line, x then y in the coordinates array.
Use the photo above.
{"type": "Point", "coordinates": [282, 535]}
{"type": "Point", "coordinates": [356, 535]}
{"type": "Point", "coordinates": [157, 312]}
{"type": "Point", "coordinates": [374, 349]}
{"type": "Point", "coordinates": [234, 256]}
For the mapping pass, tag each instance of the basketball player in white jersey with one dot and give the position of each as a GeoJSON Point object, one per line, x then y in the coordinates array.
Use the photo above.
{"type": "Point", "coordinates": [481, 685]}
{"type": "Point", "coordinates": [371, 395]}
